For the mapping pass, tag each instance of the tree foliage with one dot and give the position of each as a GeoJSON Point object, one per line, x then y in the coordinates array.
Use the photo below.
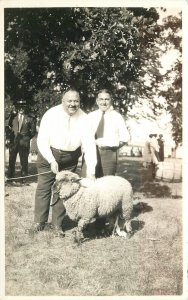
{"type": "Point", "coordinates": [89, 48]}
{"type": "Point", "coordinates": [49, 49]}
{"type": "Point", "coordinates": [173, 77]}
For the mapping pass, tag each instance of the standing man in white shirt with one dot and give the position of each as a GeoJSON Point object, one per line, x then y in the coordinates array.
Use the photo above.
{"type": "Point", "coordinates": [110, 132]}
{"type": "Point", "coordinates": [63, 135]}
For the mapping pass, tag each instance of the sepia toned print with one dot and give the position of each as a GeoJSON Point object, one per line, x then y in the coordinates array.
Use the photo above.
{"type": "Point", "coordinates": [132, 55]}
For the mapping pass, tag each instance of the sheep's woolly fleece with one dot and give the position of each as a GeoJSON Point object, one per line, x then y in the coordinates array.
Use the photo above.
{"type": "Point", "coordinates": [102, 198]}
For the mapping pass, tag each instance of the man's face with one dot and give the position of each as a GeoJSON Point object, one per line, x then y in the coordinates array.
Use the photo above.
{"type": "Point", "coordinates": [71, 102]}
{"type": "Point", "coordinates": [104, 101]}
{"type": "Point", "coordinates": [21, 110]}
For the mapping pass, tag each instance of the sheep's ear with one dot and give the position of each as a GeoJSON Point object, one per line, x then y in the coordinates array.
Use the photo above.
{"type": "Point", "coordinates": [76, 179]}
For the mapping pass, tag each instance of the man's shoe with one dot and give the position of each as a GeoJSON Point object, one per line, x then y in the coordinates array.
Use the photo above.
{"type": "Point", "coordinates": [36, 227]}
{"type": "Point", "coordinates": [57, 231]}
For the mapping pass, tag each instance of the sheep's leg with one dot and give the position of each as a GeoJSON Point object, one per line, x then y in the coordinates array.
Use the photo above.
{"type": "Point", "coordinates": [126, 216]}
{"type": "Point", "coordinates": [115, 226]}
{"type": "Point", "coordinates": [119, 230]}
{"type": "Point", "coordinates": [79, 232]}
{"type": "Point", "coordinates": [128, 227]}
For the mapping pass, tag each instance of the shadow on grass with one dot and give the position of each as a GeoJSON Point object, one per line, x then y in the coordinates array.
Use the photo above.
{"type": "Point", "coordinates": [90, 233]}
{"type": "Point", "coordinates": [154, 189]}
{"type": "Point", "coordinates": [141, 178]}
{"type": "Point", "coordinates": [141, 208]}
{"type": "Point", "coordinates": [68, 224]}
{"type": "Point", "coordinates": [137, 225]}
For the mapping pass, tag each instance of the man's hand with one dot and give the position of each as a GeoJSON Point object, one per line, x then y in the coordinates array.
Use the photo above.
{"type": "Point", "coordinates": [88, 181]}
{"type": "Point", "coordinates": [54, 167]}
{"type": "Point", "coordinates": [99, 142]}
{"type": "Point", "coordinates": [91, 177]}
{"type": "Point", "coordinates": [7, 143]}
{"type": "Point", "coordinates": [121, 144]}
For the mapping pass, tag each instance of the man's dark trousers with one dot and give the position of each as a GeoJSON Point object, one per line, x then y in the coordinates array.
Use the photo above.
{"type": "Point", "coordinates": [17, 146]}
{"type": "Point", "coordinates": [66, 160]}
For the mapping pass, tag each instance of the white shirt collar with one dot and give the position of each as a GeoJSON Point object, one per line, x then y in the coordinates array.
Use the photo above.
{"type": "Point", "coordinates": [108, 110]}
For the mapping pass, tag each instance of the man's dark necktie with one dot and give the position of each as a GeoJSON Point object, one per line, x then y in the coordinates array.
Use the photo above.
{"type": "Point", "coordinates": [100, 130]}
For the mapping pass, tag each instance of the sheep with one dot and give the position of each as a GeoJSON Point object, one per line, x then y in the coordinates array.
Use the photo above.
{"type": "Point", "coordinates": [109, 196]}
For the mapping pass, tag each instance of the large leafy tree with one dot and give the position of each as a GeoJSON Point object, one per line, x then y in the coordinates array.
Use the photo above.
{"type": "Point", "coordinates": [90, 48]}
{"type": "Point", "coordinates": [49, 49]}
{"type": "Point", "coordinates": [173, 77]}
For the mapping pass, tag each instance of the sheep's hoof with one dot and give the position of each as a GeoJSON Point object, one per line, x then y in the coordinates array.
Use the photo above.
{"type": "Point", "coordinates": [59, 234]}
{"type": "Point", "coordinates": [78, 237]}
{"type": "Point", "coordinates": [57, 231]}
{"type": "Point", "coordinates": [113, 235]}
{"type": "Point", "coordinates": [129, 234]}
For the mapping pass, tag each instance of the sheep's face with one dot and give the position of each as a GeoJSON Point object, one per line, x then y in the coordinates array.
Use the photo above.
{"type": "Point", "coordinates": [66, 184]}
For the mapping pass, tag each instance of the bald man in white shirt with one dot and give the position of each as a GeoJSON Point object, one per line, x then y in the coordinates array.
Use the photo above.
{"type": "Point", "coordinates": [63, 136]}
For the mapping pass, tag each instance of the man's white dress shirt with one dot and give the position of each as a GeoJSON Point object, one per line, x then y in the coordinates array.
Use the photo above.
{"type": "Point", "coordinates": [64, 132]}
{"type": "Point", "coordinates": [115, 130]}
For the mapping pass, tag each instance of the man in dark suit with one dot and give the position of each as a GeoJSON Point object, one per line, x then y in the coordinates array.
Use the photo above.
{"type": "Point", "coordinates": [22, 128]}
{"type": "Point", "coordinates": [161, 147]}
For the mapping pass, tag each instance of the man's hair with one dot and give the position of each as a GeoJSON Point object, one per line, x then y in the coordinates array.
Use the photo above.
{"type": "Point", "coordinates": [70, 89]}
{"type": "Point", "coordinates": [104, 91]}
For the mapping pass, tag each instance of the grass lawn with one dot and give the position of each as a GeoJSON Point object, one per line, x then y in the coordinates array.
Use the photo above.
{"type": "Point", "coordinates": [149, 263]}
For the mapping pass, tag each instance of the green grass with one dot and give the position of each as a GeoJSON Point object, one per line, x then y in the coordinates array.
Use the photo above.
{"type": "Point", "coordinates": [149, 263]}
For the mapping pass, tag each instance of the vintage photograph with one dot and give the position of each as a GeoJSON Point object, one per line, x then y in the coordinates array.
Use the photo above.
{"type": "Point", "coordinates": [93, 151]}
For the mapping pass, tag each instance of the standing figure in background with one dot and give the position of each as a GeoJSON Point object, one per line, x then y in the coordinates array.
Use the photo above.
{"type": "Point", "coordinates": [161, 147]}
{"type": "Point", "coordinates": [108, 128]}
{"type": "Point", "coordinates": [147, 158]}
{"type": "Point", "coordinates": [22, 127]}
{"type": "Point", "coordinates": [154, 149]}
{"type": "Point", "coordinates": [150, 154]}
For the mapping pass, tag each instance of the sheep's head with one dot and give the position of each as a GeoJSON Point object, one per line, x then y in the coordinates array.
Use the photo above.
{"type": "Point", "coordinates": [66, 184]}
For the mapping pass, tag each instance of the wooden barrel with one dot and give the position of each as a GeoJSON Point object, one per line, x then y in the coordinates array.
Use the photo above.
{"type": "Point", "coordinates": [170, 171]}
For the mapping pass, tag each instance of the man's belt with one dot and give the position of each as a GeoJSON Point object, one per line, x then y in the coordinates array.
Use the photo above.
{"type": "Point", "coordinates": [108, 148]}
{"type": "Point", "coordinates": [66, 151]}
{"type": "Point", "coordinates": [22, 134]}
